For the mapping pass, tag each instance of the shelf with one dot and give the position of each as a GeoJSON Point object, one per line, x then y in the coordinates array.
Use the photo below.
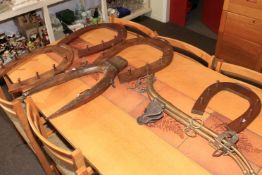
{"type": "Point", "coordinates": [13, 13]}
{"type": "Point", "coordinates": [137, 13]}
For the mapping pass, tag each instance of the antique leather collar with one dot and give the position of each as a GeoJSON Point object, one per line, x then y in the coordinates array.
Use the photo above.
{"type": "Point", "coordinates": [64, 51]}
{"type": "Point", "coordinates": [153, 67]}
{"type": "Point", "coordinates": [121, 36]}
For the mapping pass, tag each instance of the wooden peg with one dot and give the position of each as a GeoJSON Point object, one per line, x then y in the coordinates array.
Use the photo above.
{"type": "Point", "coordinates": [19, 80]}
{"type": "Point", "coordinates": [83, 63]}
{"type": "Point", "coordinates": [217, 83]}
{"type": "Point", "coordinates": [54, 67]}
{"type": "Point", "coordinates": [37, 75]}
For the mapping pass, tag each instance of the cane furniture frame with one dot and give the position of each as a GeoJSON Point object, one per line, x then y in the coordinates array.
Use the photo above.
{"type": "Point", "coordinates": [73, 158]}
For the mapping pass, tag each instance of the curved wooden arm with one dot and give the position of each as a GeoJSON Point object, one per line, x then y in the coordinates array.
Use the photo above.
{"type": "Point", "coordinates": [191, 51]}
{"type": "Point", "coordinates": [133, 25]}
{"type": "Point", "coordinates": [240, 73]}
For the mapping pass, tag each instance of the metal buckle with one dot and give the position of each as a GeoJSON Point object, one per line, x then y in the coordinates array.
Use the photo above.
{"type": "Point", "coordinates": [223, 147]}
{"type": "Point", "coordinates": [153, 113]}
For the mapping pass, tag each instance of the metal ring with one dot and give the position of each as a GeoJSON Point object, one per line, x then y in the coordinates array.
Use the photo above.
{"type": "Point", "coordinates": [195, 120]}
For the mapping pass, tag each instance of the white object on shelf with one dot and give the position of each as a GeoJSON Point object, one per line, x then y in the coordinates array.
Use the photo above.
{"type": "Point", "coordinates": [75, 27]}
{"type": "Point", "coordinates": [104, 11]}
{"type": "Point", "coordinates": [42, 4]}
{"type": "Point", "coordinates": [143, 10]}
{"type": "Point", "coordinates": [139, 12]}
{"type": "Point", "coordinates": [160, 10]}
{"type": "Point", "coordinates": [13, 13]}
{"type": "Point", "coordinates": [19, 4]}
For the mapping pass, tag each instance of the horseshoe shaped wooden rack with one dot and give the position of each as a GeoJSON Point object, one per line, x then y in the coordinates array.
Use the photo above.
{"type": "Point", "coordinates": [242, 121]}
{"type": "Point", "coordinates": [64, 51]}
{"type": "Point", "coordinates": [121, 36]}
{"type": "Point", "coordinates": [161, 63]}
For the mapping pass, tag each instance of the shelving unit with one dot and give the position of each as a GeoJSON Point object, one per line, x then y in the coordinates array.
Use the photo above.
{"type": "Point", "coordinates": [144, 10]}
{"type": "Point", "coordinates": [42, 4]}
